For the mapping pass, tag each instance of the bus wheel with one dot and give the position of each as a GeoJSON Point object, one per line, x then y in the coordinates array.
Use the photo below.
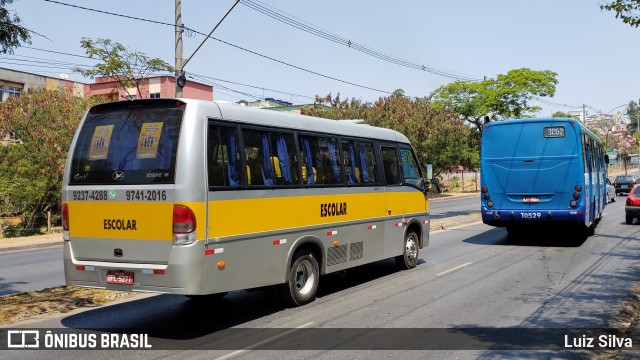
{"type": "Point", "coordinates": [409, 258]}
{"type": "Point", "coordinates": [303, 279]}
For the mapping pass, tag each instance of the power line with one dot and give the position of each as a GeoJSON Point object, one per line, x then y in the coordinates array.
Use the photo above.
{"type": "Point", "coordinates": [31, 59]}
{"type": "Point", "coordinates": [57, 52]}
{"type": "Point", "coordinates": [319, 32]}
{"type": "Point", "coordinates": [253, 86]}
{"type": "Point", "coordinates": [203, 78]}
{"type": "Point", "coordinates": [550, 103]}
{"type": "Point", "coordinates": [230, 44]}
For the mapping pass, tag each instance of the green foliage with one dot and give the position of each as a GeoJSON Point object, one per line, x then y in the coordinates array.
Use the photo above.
{"type": "Point", "coordinates": [560, 114]}
{"type": "Point", "coordinates": [12, 33]}
{"type": "Point", "coordinates": [31, 171]}
{"type": "Point", "coordinates": [633, 111]}
{"type": "Point", "coordinates": [128, 68]}
{"type": "Point", "coordinates": [507, 96]}
{"type": "Point", "coordinates": [439, 137]}
{"type": "Point", "coordinates": [627, 10]}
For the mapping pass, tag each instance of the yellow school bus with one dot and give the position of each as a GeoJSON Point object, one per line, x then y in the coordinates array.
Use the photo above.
{"type": "Point", "coordinates": [201, 198]}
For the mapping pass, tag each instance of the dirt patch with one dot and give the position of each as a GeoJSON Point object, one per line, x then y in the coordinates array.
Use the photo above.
{"type": "Point", "coordinates": [447, 223]}
{"type": "Point", "coordinates": [61, 299]}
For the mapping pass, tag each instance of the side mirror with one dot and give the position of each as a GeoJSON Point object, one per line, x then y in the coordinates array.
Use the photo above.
{"type": "Point", "coordinates": [429, 168]}
{"type": "Point", "coordinates": [606, 159]}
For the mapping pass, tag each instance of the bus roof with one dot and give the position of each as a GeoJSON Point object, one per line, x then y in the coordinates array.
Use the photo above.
{"type": "Point", "coordinates": [573, 122]}
{"type": "Point", "coordinates": [263, 117]}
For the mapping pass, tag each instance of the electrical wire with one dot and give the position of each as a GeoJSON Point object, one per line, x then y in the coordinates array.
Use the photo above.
{"type": "Point", "coordinates": [202, 78]}
{"type": "Point", "coordinates": [319, 32]}
{"type": "Point", "coordinates": [232, 45]}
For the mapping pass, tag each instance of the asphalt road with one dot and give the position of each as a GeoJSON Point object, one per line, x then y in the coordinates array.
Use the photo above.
{"type": "Point", "coordinates": [28, 270]}
{"type": "Point", "coordinates": [448, 207]}
{"type": "Point", "coordinates": [470, 278]}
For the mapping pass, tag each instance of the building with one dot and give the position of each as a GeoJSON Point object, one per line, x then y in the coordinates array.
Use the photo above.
{"type": "Point", "coordinates": [152, 87]}
{"type": "Point", "coordinates": [15, 83]}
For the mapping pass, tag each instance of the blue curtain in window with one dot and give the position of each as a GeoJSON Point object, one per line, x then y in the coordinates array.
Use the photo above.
{"type": "Point", "coordinates": [351, 172]}
{"type": "Point", "coordinates": [267, 165]}
{"type": "Point", "coordinates": [123, 147]}
{"type": "Point", "coordinates": [283, 156]}
{"type": "Point", "coordinates": [170, 134]}
{"type": "Point", "coordinates": [307, 150]}
{"type": "Point", "coordinates": [363, 163]}
{"type": "Point", "coordinates": [231, 155]}
{"type": "Point", "coordinates": [335, 166]}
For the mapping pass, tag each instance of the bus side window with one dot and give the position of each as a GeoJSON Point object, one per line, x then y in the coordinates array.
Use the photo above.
{"type": "Point", "coordinates": [330, 160]}
{"type": "Point", "coordinates": [322, 160]}
{"type": "Point", "coordinates": [390, 165]}
{"type": "Point", "coordinates": [222, 156]}
{"type": "Point", "coordinates": [366, 160]}
{"type": "Point", "coordinates": [410, 168]}
{"type": "Point", "coordinates": [283, 148]}
{"type": "Point", "coordinates": [253, 141]}
{"type": "Point", "coordinates": [352, 171]}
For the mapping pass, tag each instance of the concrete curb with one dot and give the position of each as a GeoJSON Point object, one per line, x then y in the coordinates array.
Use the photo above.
{"type": "Point", "coordinates": [29, 242]}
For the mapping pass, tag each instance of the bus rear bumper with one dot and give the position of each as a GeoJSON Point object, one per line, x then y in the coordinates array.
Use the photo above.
{"type": "Point", "coordinates": [160, 278]}
{"type": "Point", "coordinates": [503, 218]}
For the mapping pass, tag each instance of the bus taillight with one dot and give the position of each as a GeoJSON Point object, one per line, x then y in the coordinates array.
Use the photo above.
{"type": "Point", "coordinates": [184, 225]}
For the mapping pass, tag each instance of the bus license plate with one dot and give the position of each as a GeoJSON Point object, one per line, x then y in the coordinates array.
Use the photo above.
{"type": "Point", "coordinates": [119, 277]}
{"type": "Point", "coordinates": [530, 199]}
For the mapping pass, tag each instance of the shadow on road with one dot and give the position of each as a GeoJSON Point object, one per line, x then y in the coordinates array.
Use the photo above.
{"type": "Point", "coordinates": [8, 288]}
{"type": "Point", "coordinates": [546, 237]}
{"type": "Point", "coordinates": [172, 318]}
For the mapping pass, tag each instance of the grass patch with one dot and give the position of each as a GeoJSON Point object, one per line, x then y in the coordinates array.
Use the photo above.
{"type": "Point", "coordinates": [61, 299]}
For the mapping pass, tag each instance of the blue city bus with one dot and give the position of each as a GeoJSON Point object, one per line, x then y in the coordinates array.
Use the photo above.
{"type": "Point", "coordinates": [541, 172]}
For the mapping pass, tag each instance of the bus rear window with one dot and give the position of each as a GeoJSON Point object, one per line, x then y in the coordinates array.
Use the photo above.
{"type": "Point", "coordinates": [127, 145]}
{"type": "Point", "coordinates": [527, 140]}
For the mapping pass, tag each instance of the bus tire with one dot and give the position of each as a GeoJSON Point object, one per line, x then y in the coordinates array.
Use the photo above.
{"type": "Point", "coordinates": [409, 258]}
{"type": "Point", "coordinates": [303, 278]}
{"type": "Point", "coordinates": [512, 231]}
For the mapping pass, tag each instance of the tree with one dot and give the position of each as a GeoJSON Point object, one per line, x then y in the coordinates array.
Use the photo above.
{"type": "Point", "coordinates": [625, 145]}
{"type": "Point", "coordinates": [604, 127]}
{"type": "Point", "coordinates": [438, 136]}
{"type": "Point", "coordinates": [627, 10]}
{"type": "Point", "coordinates": [12, 33]}
{"type": "Point", "coordinates": [128, 68]}
{"type": "Point", "coordinates": [633, 111]}
{"type": "Point", "coordinates": [506, 96]}
{"type": "Point", "coordinates": [560, 114]}
{"type": "Point", "coordinates": [31, 170]}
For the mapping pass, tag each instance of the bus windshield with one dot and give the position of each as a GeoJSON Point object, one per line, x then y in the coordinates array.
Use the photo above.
{"type": "Point", "coordinates": [127, 146]}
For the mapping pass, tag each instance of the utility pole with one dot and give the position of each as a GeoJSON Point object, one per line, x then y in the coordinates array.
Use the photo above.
{"type": "Point", "coordinates": [180, 79]}
{"type": "Point", "coordinates": [180, 63]}
{"type": "Point", "coordinates": [584, 114]}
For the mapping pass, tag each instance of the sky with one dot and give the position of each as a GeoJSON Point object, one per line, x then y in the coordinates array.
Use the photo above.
{"type": "Point", "coordinates": [254, 55]}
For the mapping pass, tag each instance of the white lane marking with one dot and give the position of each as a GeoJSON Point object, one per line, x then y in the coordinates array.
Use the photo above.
{"type": "Point", "coordinates": [230, 355]}
{"type": "Point", "coordinates": [454, 269]}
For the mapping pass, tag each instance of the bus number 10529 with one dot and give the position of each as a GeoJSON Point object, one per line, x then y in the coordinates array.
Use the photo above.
{"type": "Point", "coordinates": [536, 215]}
